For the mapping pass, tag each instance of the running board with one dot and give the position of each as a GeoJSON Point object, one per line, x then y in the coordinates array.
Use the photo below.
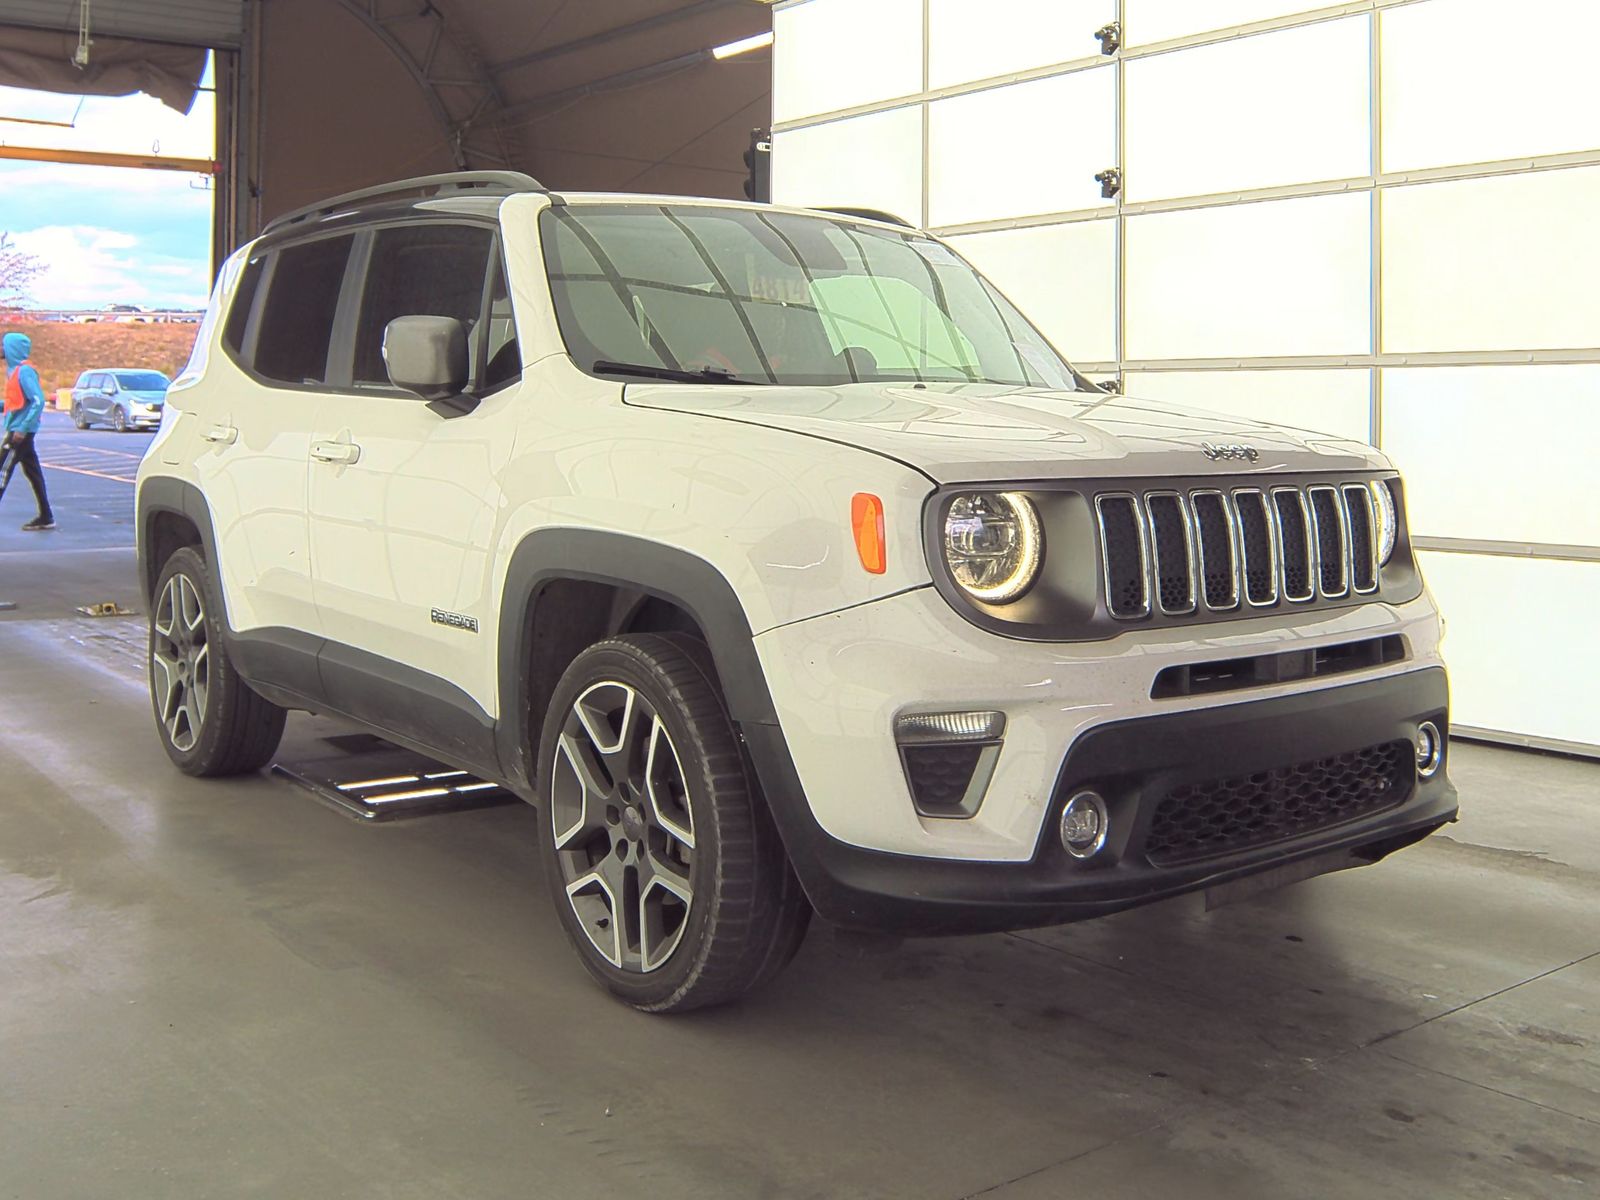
{"type": "Point", "coordinates": [371, 780]}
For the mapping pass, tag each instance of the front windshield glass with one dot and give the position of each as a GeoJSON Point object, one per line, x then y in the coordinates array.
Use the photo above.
{"type": "Point", "coordinates": [774, 297]}
{"type": "Point", "coordinates": [142, 381]}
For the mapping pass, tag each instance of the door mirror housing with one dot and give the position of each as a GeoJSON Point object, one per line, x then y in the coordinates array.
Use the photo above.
{"type": "Point", "coordinates": [426, 356]}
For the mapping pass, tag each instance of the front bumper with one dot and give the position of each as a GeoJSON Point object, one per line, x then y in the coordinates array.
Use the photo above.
{"type": "Point", "coordinates": [1136, 763]}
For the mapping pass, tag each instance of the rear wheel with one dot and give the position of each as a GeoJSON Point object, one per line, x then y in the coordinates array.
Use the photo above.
{"type": "Point", "coordinates": [78, 417]}
{"type": "Point", "coordinates": [665, 867]}
{"type": "Point", "coordinates": [211, 722]}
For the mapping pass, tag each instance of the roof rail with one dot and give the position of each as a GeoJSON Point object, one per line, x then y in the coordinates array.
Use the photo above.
{"type": "Point", "coordinates": [870, 214]}
{"type": "Point", "coordinates": [494, 182]}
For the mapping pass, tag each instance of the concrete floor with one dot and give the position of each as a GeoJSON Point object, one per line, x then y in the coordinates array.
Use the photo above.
{"type": "Point", "coordinates": [228, 990]}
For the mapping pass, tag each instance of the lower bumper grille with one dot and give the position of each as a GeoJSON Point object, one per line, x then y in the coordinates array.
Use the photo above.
{"type": "Point", "coordinates": [1222, 816]}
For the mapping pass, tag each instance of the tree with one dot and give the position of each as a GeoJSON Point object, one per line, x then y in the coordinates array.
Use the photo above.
{"type": "Point", "coordinates": [18, 270]}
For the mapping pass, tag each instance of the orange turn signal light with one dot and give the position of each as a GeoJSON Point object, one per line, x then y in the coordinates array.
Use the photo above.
{"type": "Point", "coordinates": [866, 519]}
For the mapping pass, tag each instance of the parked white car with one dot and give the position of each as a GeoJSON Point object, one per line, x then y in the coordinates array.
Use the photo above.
{"type": "Point", "coordinates": [784, 565]}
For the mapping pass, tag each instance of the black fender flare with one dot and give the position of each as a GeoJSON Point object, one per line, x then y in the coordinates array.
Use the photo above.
{"type": "Point", "coordinates": [620, 560]}
{"type": "Point", "coordinates": [163, 494]}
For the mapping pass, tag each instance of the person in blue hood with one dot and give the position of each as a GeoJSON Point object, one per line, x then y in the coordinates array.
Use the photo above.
{"type": "Point", "coordinates": [24, 405]}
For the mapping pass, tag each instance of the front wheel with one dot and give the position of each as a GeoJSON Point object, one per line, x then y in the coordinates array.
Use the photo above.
{"type": "Point", "coordinates": [119, 419]}
{"type": "Point", "coordinates": [211, 723]}
{"type": "Point", "coordinates": [665, 867]}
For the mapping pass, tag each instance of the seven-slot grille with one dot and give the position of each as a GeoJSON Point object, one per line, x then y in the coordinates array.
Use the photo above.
{"type": "Point", "coordinates": [1173, 553]}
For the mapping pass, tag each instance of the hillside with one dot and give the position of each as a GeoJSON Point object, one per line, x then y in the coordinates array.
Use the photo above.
{"type": "Point", "coordinates": [63, 352]}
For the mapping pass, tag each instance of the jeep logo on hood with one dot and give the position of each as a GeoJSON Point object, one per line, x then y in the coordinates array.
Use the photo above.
{"type": "Point", "coordinates": [1217, 453]}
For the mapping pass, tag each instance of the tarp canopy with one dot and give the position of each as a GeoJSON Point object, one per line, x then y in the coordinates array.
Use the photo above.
{"type": "Point", "coordinates": [42, 60]}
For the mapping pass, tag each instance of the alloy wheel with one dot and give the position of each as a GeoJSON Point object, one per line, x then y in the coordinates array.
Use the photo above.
{"type": "Point", "coordinates": [180, 662]}
{"type": "Point", "coordinates": [624, 832]}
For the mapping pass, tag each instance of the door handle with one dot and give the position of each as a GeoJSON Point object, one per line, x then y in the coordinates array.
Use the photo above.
{"type": "Point", "coordinates": [336, 452]}
{"type": "Point", "coordinates": [224, 435]}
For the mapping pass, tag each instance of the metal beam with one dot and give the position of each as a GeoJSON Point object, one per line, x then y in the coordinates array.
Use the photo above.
{"type": "Point", "coordinates": [459, 91]}
{"type": "Point", "coordinates": [610, 35]}
{"type": "Point", "coordinates": [95, 158]}
{"type": "Point", "coordinates": [667, 66]}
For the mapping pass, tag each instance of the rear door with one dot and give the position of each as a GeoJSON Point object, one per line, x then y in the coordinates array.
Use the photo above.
{"type": "Point", "coordinates": [258, 433]}
{"type": "Point", "coordinates": [404, 494]}
{"type": "Point", "coordinates": [97, 397]}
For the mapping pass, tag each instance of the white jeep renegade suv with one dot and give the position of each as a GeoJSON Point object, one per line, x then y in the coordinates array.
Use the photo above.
{"type": "Point", "coordinates": [783, 565]}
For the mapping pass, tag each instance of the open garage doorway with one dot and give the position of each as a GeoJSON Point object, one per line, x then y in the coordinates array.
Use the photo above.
{"type": "Point", "coordinates": [106, 216]}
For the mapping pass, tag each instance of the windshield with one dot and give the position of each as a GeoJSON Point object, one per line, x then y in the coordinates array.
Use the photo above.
{"type": "Point", "coordinates": [773, 297]}
{"type": "Point", "coordinates": [142, 381]}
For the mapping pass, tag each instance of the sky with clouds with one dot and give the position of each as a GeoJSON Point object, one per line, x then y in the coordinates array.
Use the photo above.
{"type": "Point", "coordinates": [109, 235]}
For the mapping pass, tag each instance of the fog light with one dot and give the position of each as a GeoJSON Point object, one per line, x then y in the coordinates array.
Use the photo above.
{"type": "Point", "coordinates": [1430, 750]}
{"type": "Point", "coordinates": [1084, 825]}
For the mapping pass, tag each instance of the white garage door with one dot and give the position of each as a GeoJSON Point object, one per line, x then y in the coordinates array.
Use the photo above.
{"type": "Point", "coordinates": [218, 24]}
{"type": "Point", "coordinates": [1375, 218]}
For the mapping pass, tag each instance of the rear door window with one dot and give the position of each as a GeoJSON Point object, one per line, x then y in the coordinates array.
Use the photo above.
{"type": "Point", "coordinates": [297, 316]}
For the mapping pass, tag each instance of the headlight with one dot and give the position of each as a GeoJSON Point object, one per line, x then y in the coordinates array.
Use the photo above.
{"type": "Point", "coordinates": [993, 544]}
{"type": "Point", "coordinates": [1388, 523]}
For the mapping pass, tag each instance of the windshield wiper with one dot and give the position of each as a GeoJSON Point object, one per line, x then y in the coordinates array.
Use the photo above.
{"type": "Point", "coordinates": [646, 371]}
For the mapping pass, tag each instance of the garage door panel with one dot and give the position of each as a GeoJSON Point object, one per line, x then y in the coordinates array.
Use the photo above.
{"type": "Point", "coordinates": [1283, 277]}
{"type": "Point", "coordinates": [1159, 20]}
{"type": "Point", "coordinates": [1196, 123]}
{"type": "Point", "coordinates": [1520, 643]}
{"type": "Point", "coordinates": [873, 161]}
{"type": "Point", "coordinates": [968, 41]}
{"type": "Point", "coordinates": [1454, 92]}
{"type": "Point", "coordinates": [1024, 150]}
{"type": "Point", "coordinates": [215, 23]}
{"type": "Point", "coordinates": [1475, 470]}
{"type": "Point", "coordinates": [1064, 277]}
{"type": "Point", "coordinates": [1337, 402]}
{"type": "Point", "coordinates": [834, 54]}
{"type": "Point", "coordinates": [1506, 263]}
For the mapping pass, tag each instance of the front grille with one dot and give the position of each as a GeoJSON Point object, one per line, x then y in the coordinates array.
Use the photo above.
{"type": "Point", "coordinates": [1222, 816]}
{"type": "Point", "coordinates": [1173, 553]}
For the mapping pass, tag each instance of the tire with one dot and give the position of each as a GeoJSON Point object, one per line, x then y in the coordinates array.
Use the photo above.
{"type": "Point", "coordinates": [119, 419]}
{"type": "Point", "coordinates": [670, 820]}
{"type": "Point", "coordinates": [78, 417]}
{"type": "Point", "coordinates": [210, 722]}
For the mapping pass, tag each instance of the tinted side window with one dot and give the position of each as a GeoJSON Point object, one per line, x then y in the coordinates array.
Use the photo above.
{"type": "Point", "coordinates": [421, 270]}
{"type": "Point", "coordinates": [297, 317]}
{"type": "Point", "coordinates": [243, 297]}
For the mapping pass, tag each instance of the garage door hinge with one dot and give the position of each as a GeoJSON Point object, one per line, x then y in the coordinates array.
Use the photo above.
{"type": "Point", "coordinates": [1110, 37]}
{"type": "Point", "coordinates": [1110, 181]}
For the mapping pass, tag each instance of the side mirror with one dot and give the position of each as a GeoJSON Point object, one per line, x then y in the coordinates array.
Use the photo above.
{"type": "Point", "coordinates": [426, 356]}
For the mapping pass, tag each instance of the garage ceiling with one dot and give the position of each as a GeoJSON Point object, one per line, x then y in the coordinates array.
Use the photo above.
{"type": "Point", "coordinates": [215, 23]}
{"type": "Point", "coordinates": [616, 96]}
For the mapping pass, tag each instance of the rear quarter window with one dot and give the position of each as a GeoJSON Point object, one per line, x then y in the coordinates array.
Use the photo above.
{"type": "Point", "coordinates": [244, 297]}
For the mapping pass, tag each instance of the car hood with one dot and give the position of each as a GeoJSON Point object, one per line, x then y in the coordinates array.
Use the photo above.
{"type": "Point", "coordinates": [960, 433]}
{"type": "Point", "coordinates": [145, 397]}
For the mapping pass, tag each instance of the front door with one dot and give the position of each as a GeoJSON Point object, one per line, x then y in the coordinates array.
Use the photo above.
{"type": "Point", "coordinates": [404, 496]}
